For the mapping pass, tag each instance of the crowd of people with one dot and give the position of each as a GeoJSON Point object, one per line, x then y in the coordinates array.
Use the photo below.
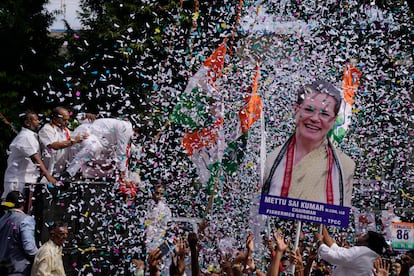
{"type": "Point", "coordinates": [19, 252]}
{"type": "Point", "coordinates": [100, 148]}
{"type": "Point", "coordinates": [327, 257]}
{"type": "Point", "coordinates": [53, 155]}
{"type": "Point", "coordinates": [370, 253]}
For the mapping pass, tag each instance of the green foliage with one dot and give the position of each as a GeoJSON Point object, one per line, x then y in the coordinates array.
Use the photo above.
{"type": "Point", "coordinates": [28, 54]}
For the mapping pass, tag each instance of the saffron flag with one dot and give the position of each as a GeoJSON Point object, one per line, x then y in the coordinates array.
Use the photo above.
{"type": "Point", "coordinates": [248, 114]}
{"type": "Point", "coordinates": [200, 113]}
{"type": "Point", "coordinates": [350, 84]}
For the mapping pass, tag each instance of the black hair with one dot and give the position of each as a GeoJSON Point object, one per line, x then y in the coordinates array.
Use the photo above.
{"type": "Point", "coordinates": [376, 242]}
{"type": "Point", "coordinates": [52, 225]}
{"type": "Point", "coordinates": [24, 117]}
{"type": "Point", "coordinates": [17, 198]}
{"type": "Point", "coordinates": [284, 258]}
{"type": "Point", "coordinates": [410, 253]}
{"type": "Point", "coordinates": [321, 87]}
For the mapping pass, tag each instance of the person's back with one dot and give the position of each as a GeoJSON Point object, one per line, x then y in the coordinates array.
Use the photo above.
{"type": "Point", "coordinates": [354, 261]}
{"type": "Point", "coordinates": [357, 260]}
{"type": "Point", "coordinates": [17, 243]}
{"type": "Point", "coordinates": [112, 130]}
{"type": "Point", "coordinates": [115, 135]}
{"type": "Point", "coordinates": [105, 149]}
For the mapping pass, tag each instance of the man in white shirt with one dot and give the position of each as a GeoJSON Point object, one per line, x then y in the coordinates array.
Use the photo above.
{"type": "Point", "coordinates": [55, 141]}
{"type": "Point", "coordinates": [106, 149]}
{"type": "Point", "coordinates": [24, 164]}
{"type": "Point", "coordinates": [357, 260]}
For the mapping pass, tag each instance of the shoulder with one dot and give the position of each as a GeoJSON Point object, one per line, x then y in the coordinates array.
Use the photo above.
{"type": "Point", "coordinates": [25, 134]}
{"type": "Point", "coordinates": [344, 159]}
{"type": "Point", "coordinates": [18, 214]}
{"type": "Point", "coordinates": [46, 128]}
{"type": "Point", "coordinates": [16, 217]}
{"type": "Point", "coordinates": [28, 219]}
{"type": "Point", "coordinates": [271, 156]}
{"type": "Point", "coordinates": [46, 246]}
{"type": "Point", "coordinates": [324, 249]}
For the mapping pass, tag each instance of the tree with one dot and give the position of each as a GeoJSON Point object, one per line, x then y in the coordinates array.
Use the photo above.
{"type": "Point", "coordinates": [132, 57]}
{"type": "Point", "coordinates": [28, 54]}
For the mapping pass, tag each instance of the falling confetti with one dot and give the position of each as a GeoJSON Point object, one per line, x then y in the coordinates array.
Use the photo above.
{"type": "Point", "coordinates": [297, 42]}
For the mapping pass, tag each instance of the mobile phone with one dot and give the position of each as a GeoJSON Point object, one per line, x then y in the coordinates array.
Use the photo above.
{"type": "Point", "coordinates": [165, 248]}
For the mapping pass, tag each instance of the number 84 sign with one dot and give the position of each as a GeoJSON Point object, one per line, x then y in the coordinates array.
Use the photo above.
{"type": "Point", "coordinates": [402, 235]}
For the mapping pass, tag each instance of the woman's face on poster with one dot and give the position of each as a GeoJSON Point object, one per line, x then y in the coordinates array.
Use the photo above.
{"type": "Point", "coordinates": [315, 116]}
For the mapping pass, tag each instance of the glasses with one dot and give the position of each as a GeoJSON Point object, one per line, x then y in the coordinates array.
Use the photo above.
{"type": "Point", "coordinates": [323, 115]}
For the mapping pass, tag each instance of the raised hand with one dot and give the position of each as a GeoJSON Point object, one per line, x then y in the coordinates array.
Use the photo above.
{"type": "Point", "coordinates": [381, 267]}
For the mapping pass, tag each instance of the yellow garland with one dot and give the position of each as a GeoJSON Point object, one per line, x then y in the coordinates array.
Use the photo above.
{"type": "Point", "coordinates": [9, 204]}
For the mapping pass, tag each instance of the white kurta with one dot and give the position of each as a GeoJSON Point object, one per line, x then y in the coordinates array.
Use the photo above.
{"type": "Point", "coordinates": [107, 142]}
{"type": "Point", "coordinates": [54, 160]}
{"type": "Point", "coordinates": [354, 261]}
{"type": "Point", "coordinates": [20, 168]}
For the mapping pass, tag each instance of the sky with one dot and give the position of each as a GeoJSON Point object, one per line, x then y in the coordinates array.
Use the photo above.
{"type": "Point", "coordinates": [68, 8]}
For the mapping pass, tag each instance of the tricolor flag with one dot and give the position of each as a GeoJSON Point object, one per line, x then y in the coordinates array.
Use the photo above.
{"type": "Point", "coordinates": [248, 114]}
{"type": "Point", "coordinates": [200, 113]}
{"type": "Point", "coordinates": [350, 84]}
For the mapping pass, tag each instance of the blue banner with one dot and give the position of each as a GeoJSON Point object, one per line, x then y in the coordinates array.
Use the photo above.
{"type": "Point", "coordinates": [304, 210]}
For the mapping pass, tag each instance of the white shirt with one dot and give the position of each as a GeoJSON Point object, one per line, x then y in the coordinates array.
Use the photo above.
{"type": "Point", "coordinates": [20, 167]}
{"type": "Point", "coordinates": [114, 135]}
{"type": "Point", "coordinates": [54, 160]}
{"type": "Point", "coordinates": [89, 149]}
{"type": "Point", "coordinates": [156, 223]}
{"type": "Point", "coordinates": [107, 142]}
{"type": "Point", "coordinates": [353, 261]}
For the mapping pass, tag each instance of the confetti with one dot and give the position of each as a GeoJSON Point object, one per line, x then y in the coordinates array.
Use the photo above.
{"type": "Point", "coordinates": [296, 43]}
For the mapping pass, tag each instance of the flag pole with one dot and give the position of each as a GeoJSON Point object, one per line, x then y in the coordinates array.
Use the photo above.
{"type": "Point", "coordinates": [220, 150]}
{"type": "Point", "coordinates": [211, 198]}
{"type": "Point", "coordinates": [156, 137]}
{"type": "Point", "coordinates": [297, 238]}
